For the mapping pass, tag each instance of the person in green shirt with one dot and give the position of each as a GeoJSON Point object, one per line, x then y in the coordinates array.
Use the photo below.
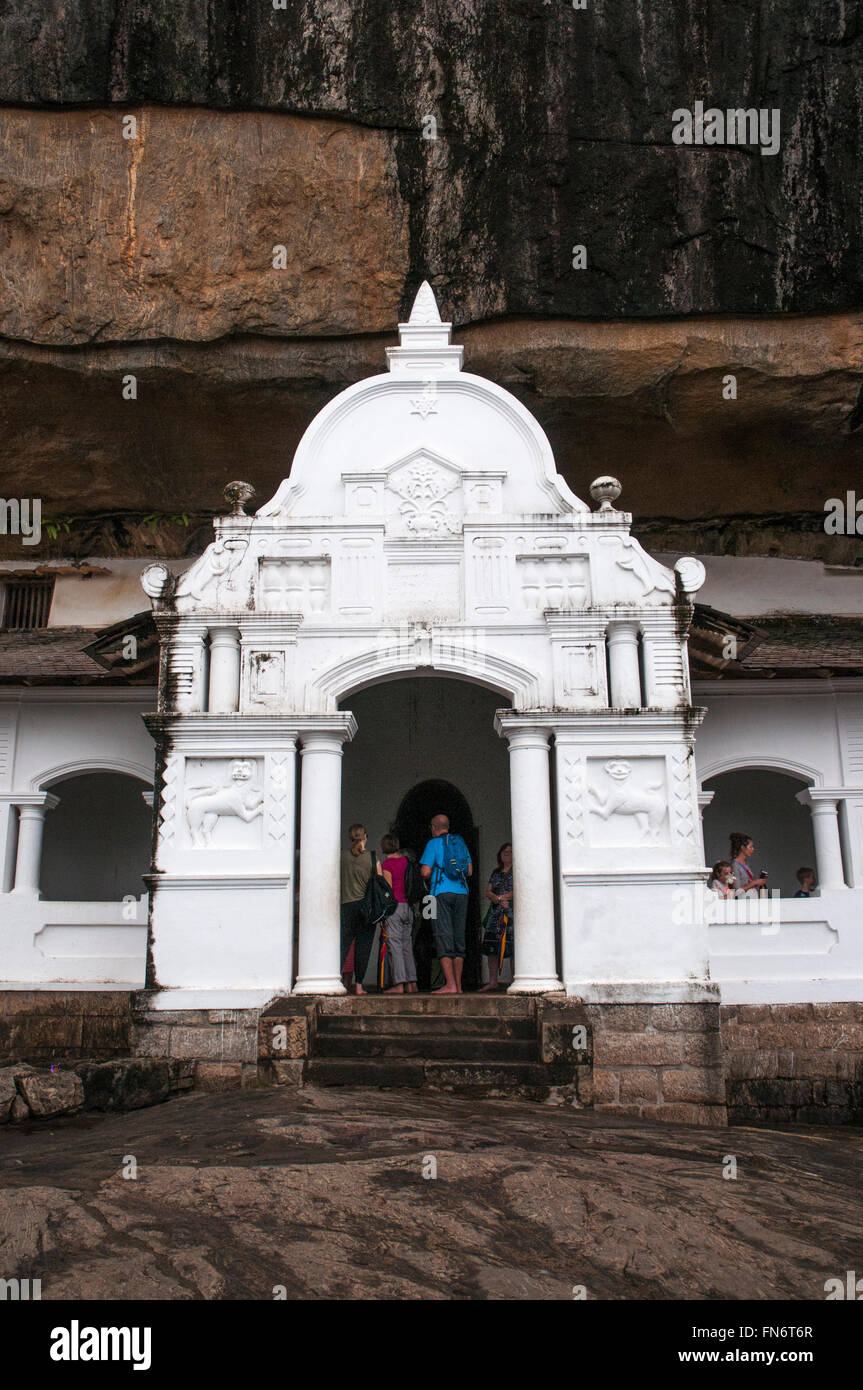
{"type": "Point", "coordinates": [356, 870]}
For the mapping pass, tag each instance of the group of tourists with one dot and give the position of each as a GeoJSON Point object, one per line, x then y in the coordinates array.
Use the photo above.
{"type": "Point", "coordinates": [733, 877]}
{"type": "Point", "coordinates": [397, 892]}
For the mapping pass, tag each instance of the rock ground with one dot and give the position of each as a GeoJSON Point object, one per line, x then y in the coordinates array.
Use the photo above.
{"type": "Point", "coordinates": [323, 1192]}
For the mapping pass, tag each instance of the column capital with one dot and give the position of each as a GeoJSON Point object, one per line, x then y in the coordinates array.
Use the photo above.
{"type": "Point", "coordinates": [35, 803]}
{"type": "Point", "coordinates": [820, 798]}
{"type": "Point", "coordinates": [521, 731]}
{"type": "Point", "coordinates": [326, 734]}
{"type": "Point", "coordinates": [705, 798]}
{"type": "Point", "coordinates": [623, 629]}
{"type": "Point", "coordinates": [224, 635]}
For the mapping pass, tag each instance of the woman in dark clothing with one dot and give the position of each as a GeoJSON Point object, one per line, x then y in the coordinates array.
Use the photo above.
{"type": "Point", "coordinates": [356, 870]}
{"type": "Point", "coordinates": [498, 922]}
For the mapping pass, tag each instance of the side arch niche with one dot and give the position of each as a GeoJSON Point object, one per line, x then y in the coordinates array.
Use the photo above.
{"type": "Point", "coordinates": [97, 840]}
{"type": "Point", "coordinates": [761, 802]}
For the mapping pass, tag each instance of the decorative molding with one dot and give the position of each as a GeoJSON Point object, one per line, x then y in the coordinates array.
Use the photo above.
{"type": "Point", "coordinates": [80, 766]}
{"type": "Point", "coordinates": [573, 798]}
{"type": "Point", "coordinates": [424, 484]}
{"type": "Point", "coordinates": [485, 668]}
{"type": "Point", "coordinates": [740, 762]}
{"type": "Point", "coordinates": [168, 812]}
{"type": "Point", "coordinates": [681, 794]}
{"type": "Point", "coordinates": [198, 882]}
{"type": "Point", "coordinates": [279, 765]}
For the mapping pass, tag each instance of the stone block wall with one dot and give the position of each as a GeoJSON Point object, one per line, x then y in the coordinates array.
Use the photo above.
{"type": "Point", "coordinates": [795, 1063]}
{"type": "Point", "coordinates": [658, 1061]}
{"type": "Point", "coordinates": [681, 1063]}
{"type": "Point", "coordinates": [64, 1025]}
{"type": "Point", "coordinates": [221, 1044]}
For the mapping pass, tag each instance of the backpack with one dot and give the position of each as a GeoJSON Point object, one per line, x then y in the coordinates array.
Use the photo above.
{"type": "Point", "coordinates": [415, 885]}
{"type": "Point", "coordinates": [379, 900]}
{"type": "Point", "coordinates": [455, 860]}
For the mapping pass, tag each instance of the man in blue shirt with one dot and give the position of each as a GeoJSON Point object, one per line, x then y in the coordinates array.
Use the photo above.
{"type": "Point", "coordinates": [448, 886]}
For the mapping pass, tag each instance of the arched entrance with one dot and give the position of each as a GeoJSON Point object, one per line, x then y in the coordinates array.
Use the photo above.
{"type": "Point", "coordinates": [426, 745]}
{"type": "Point", "coordinates": [96, 845]}
{"type": "Point", "coordinates": [761, 802]}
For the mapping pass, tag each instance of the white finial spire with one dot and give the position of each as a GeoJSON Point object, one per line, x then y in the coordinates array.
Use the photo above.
{"type": "Point", "coordinates": [425, 312]}
{"type": "Point", "coordinates": [424, 351]}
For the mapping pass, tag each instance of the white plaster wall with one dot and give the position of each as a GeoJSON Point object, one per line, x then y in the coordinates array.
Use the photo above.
{"type": "Point", "coordinates": [100, 600]}
{"type": "Point", "coordinates": [814, 955]}
{"type": "Point", "coordinates": [77, 729]}
{"type": "Point", "coordinates": [787, 725]}
{"type": "Point", "coordinates": [759, 585]}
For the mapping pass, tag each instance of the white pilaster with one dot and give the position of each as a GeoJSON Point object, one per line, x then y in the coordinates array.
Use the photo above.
{"type": "Point", "coordinates": [665, 673]}
{"type": "Point", "coordinates": [319, 967]}
{"type": "Point", "coordinates": [8, 835]}
{"type": "Point", "coordinates": [186, 668]}
{"type": "Point", "coordinates": [535, 967]}
{"type": "Point", "coordinates": [224, 670]}
{"type": "Point", "coordinates": [825, 831]}
{"type": "Point", "coordinates": [31, 825]}
{"type": "Point", "coordinates": [623, 665]}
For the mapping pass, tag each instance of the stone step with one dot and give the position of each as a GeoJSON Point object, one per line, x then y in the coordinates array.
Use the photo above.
{"type": "Point", "coordinates": [461, 1049]}
{"type": "Point", "coordinates": [387, 1072]}
{"type": "Point", "coordinates": [460, 1005]}
{"type": "Point", "coordinates": [425, 1025]}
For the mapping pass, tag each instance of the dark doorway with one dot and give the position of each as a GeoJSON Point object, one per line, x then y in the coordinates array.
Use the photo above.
{"type": "Point", "coordinates": [412, 825]}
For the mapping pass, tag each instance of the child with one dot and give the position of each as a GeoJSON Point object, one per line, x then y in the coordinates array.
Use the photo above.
{"type": "Point", "coordinates": [806, 879]}
{"type": "Point", "coordinates": [722, 879]}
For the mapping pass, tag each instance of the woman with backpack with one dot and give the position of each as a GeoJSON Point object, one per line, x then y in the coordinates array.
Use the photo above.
{"type": "Point", "coordinates": [399, 926]}
{"type": "Point", "coordinates": [357, 865]}
{"type": "Point", "coordinates": [497, 932]}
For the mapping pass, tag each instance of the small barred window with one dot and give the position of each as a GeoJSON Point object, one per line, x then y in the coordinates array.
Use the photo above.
{"type": "Point", "coordinates": [26, 603]}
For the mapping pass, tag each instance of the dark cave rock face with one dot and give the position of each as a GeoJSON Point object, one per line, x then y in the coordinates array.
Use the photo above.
{"type": "Point", "coordinates": [305, 127]}
{"type": "Point", "coordinates": [554, 129]}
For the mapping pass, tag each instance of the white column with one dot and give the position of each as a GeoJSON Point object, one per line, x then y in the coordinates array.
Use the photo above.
{"type": "Point", "coordinates": [31, 824]}
{"type": "Point", "coordinates": [623, 665]}
{"type": "Point", "coordinates": [224, 670]}
{"type": "Point", "coordinates": [319, 966]}
{"type": "Point", "coordinates": [825, 832]}
{"type": "Point", "coordinates": [535, 967]}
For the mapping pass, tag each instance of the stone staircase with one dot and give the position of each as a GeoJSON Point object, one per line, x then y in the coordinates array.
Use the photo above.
{"type": "Point", "coordinates": [479, 1043]}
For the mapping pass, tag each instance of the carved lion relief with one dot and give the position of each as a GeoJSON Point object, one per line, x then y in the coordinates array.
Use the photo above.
{"type": "Point", "coordinates": [239, 797]}
{"type": "Point", "coordinates": [644, 803]}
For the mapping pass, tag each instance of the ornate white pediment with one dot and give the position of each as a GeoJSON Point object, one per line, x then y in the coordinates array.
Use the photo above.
{"type": "Point", "coordinates": [429, 493]}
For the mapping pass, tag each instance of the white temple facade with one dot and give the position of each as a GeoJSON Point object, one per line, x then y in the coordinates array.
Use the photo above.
{"type": "Point", "coordinates": [425, 542]}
